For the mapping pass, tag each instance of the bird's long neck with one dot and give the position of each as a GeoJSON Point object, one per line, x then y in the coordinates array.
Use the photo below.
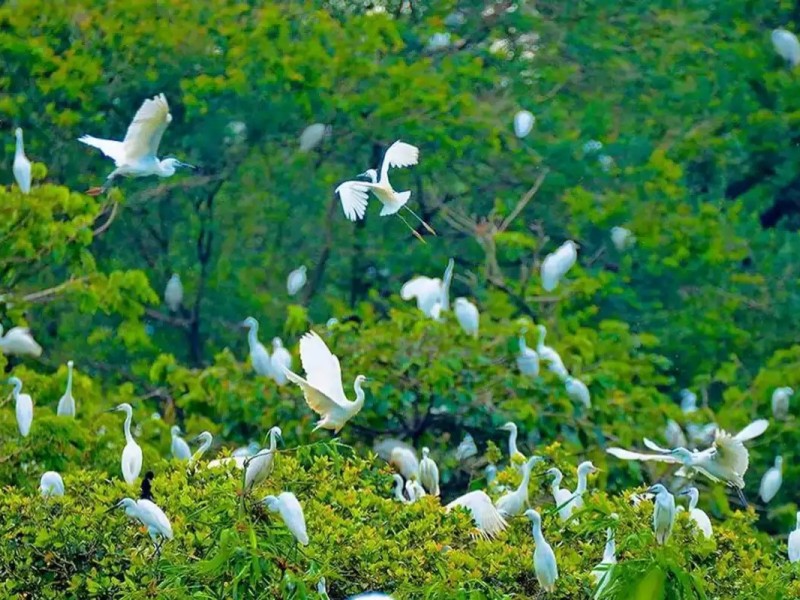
{"type": "Point", "coordinates": [526, 477]}
{"type": "Point", "coordinates": [693, 498]}
{"type": "Point", "coordinates": [20, 151]}
{"type": "Point", "coordinates": [273, 441]}
{"type": "Point", "coordinates": [557, 477]}
{"type": "Point", "coordinates": [69, 379]}
{"type": "Point", "coordinates": [204, 447]}
{"type": "Point", "coordinates": [359, 402]}
{"type": "Point", "coordinates": [537, 534]}
{"type": "Point", "coordinates": [542, 335]}
{"type": "Point", "coordinates": [165, 169]}
{"type": "Point", "coordinates": [398, 489]}
{"type": "Point", "coordinates": [581, 483]}
{"type": "Point", "coordinates": [127, 426]}
{"type": "Point", "coordinates": [252, 335]}
{"type": "Point", "coordinates": [17, 389]}
{"type": "Point", "coordinates": [512, 442]}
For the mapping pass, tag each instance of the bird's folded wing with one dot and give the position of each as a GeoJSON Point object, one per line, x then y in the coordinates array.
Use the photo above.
{"type": "Point", "coordinates": [145, 131]}
{"type": "Point", "coordinates": [753, 430]}
{"type": "Point", "coordinates": [322, 368]}
{"type": "Point", "coordinates": [317, 401]}
{"type": "Point", "coordinates": [629, 455]}
{"type": "Point", "coordinates": [417, 287]}
{"type": "Point", "coordinates": [353, 195]}
{"type": "Point", "coordinates": [399, 155]}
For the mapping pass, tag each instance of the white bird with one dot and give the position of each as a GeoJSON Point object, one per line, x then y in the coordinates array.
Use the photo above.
{"type": "Point", "coordinates": [556, 264]}
{"type": "Point", "coordinates": [602, 572]}
{"type": "Point", "coordinates": [313, 135]}
{"type": "Point", "coordinates": [296, 280]}
{"type": "Point", "coordinates": [291, 512]}
{"type": "Point", "coordinates": [180, 449]}
{"type": "Point", "coordinates": [173, 293]}
{"type": "Point", "coordinates": [674, 435]}
{"type": "Point", "coordinates": [515, 457]}
{"type": "Point", "coordinates": [414, 490]}
{"type": "Point", "coordinates": [246, 451]}
{"type": "Point", "coordinates": [431, 293]}
{"type": "Point", "coordinates": [19, 341]}
{"type": "Point", "coordinates": [663, 512]}
{"type": "Point", "coordinates": [322, 387]}
{"type": "Point", "coordinates": [22, 166]}
{"type": "Point", "coordinates": [486, 517]}
{"type": "Point", "coordinates": [577, 391]}
{"type": "Point", "coordinates": [466, 448]}
{"type": "Point", "coordinates": [550, 356]}
{"type": "Point", "coordinates": [259, 357]}
{"type": "Point", "coordinates": [260, 466]}
{"type": "Point", "coordinates": [66, 404]}
{"type": "Point", "coordinates": [490, 472]}
{"type": "Point", "coordinates": [467, 315]}
{"type": "Point", "coordinates": [399, 490]}
{"type": "Point", "coordinates": [688, 402]}
{"type": "Point", "coordinates": [786, 45]}
{"type": "Point", "coordinates": [697, 515]}
{"type": "Point", "coordinates": [132, 453]}
{"type": "Point", "coordinates": [527, 359]}
{"type": "Point", "coordinates": [561, 496]}
{"type": "Point", "coordinates": [771, 481]}
{"type": "Point", "coordinates": [523, 123]}
{"type": "Point", "coordinates": [584, 469]}
{"type": "Point", "coordinates": [514, 503]}
{"type": "Point", "coordinates": [429, 473]}
{"type": "Point", "coordinates": [780, 402]}
{"type": "Point", "coordinates": [794, 542]}
{"type": "Point", "coordinates": [135, 156]}
{"type": "Point", "coordinates": [404, 459]}
{"type": "Point", "coordinates": [544, 559]}
{"type": "Point", "coordinates": [51, 484]}
{"type": "Point", "coordinates": [149, 515]}
{"type": "Point", "coordinates": [622, 238]}
{"type": "Point", "coordinates": [280, 361]}
{"type": "Point", "coordinates": [701, 435]}
{"type": "Point", "coordinates": [23, 407]}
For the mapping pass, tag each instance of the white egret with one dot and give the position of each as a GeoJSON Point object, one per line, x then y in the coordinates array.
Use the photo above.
{"type": "Point", "coordinates": [438, 41]}
{"type": "Point", "coordinates": [528, 358]}
{"type": "Point", "coordinates": [688, 401]}
{"type": "Point", "coordinates": [313, 135]}
{"type": "Point", "coordinates": [429, 473]}
{"type": "Point", "coordinates": [490, 473]}
{"type": "Point", "coordinates": [467, 315]}
{"type": "Point", "coordinates": [66, 404]}
{"type": "Point", "coordinates": [296, 280]}
{"type": "Point", "coordinates": [544, 559]}
{"type": "Point", "coordinates": [514, 503]}
{"type": "Point", "coordinates": [322, 387]}
{"type": "Point", "coordinates": [251, 449]}
{"type": "Point", "coordinates": [697, 515]}
{"type": "Point", "coordinates": [431, 293]}
{"type": "Point", "coordinates": [622, 238]}
{"type": "Point", "coordinates": [515, 457]}
{"type": "Point", "coordinates": [399, 490]}
{"type": "Point", "coordinates": [523, 123]}
{"type": "Point", "coordinates": [19, 341]}
{"type": "Point", "coordinates": [51, 484]}
{"type": "Point", "coordinates": [173, 293]}
{"type": "Point", "coordinates": [404, 459]}
{"type": "Point", "coordinates": [556, 264]}
{"type": "Point", "coordinates": [550, 356]}
{"type": "Point", "coordinates": [663, 512]}
{"type": "Point", "coordinates": [151, 516]}
{"type": "Point", "coordinates": [794, 542]}
{"type": "Point", "coordinates": [780, 402]}
{"type": "Point", "coordinates": [180, 449]}
{"type": "Point", "coordinates": [771, 481]}
{"type": "Point", "coordinates": [486, 517]}
{"type": "Point", "coordinates": [786, 45]}
{"type": "Point", "coordinates": [259, 357]}
{"type": "Point", "coordinates": [135, 156]}
{"type": "Point", "coordinates": [22, 166]}
{"type": "Point", "coordinates": [466, 448]}
{"type": "Point", "coordinates": [561, 496]}
{"type": "Point", "coordinates": [577, 391]}
{"type": "Point", "coordinates": [23, 407]}
{"type": "Point", "coordinates": [370, 596]}
{"type": "Point", "coordinates": [132, 454]}
{"type": "Point", "coordinates": [291, 512]}
{"type": "Point", "coordinates": [584, 469]}
{"type": "Point", "coordinates": [414, 490]}
{"type": "Point", "coordinates": [280, 361]}
{"type": "Point", "coordinates": [602, 572]}
{"type": "Point", "coordinates": [260, 466]}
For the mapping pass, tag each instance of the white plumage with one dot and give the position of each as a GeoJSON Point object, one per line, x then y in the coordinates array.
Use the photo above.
{"type": "Point", "coordinates": [149, 515]}
{"type": "Point", "coordinates": [19, 341]}
{"type": "Point", "coordinates": [584, 469]}
{"type": "Point", "coordinates": [550, 356]}
{"type": "Point", "coordinates": [544, 559]}
{"type": "Point", "coordinates": [260, 466]}
{"type": "Point", "coordinates": [466, 448]}
{"type": "Point", "coordinates": [180, 449]}
{"type": "Point", "coordinates": [66, 404]}
{"type": "Point", "coordinates": [515, 457]}
{"type": "Point", "coordinates": [51, 484]}
{"type": "Point", "coordinates": [287, 505]}
{"type": "Point", "coordinates": [577, 391]}
{"type": "Point", "coordinates": [787, 46]}
{"type": "Point", "coordinates": [602, 572]}
{"type": "Point", "coordinates": [173, 293]}
{"type": "Point", "coordinates": [527, 359]}
{"type": "Point", "coordinates": [622, 238]}
{"type": "Point", "coordinates": [23, 407]}
{"type": "Point", "coordinates": [279, 362]}
{"type": "Point", "coordinates": [399, 491]}
{"type": "Point", "coordinates": [205, 439]}
{"type": "Point", "coordinates": [467, 315]}
{"type": "Point", "coordinates": [22, 166]}
{"type": "Point", "coordinates": [431, 293]}
{"type": "Point", "coordinates": [663, 512]}
{"type": "Point", "coordinates": [688, 401]}
{"type": "Point", "coordinates": [556, 264]}
{"type": "Point", "coordinates": [523, 123]}
{"type": "Point", "coordinates": [486, 517]}
{"type": "Point", "coordinates": [561, 496]}
{"type": "Point", "coordinates": [514, 503]}
{"type": "Point", "coordinates": [429, 473]}
{"type": "Point", "coordinates": [132, 453]}
{"type": "Point", "coordinates": [404, 459]}
{"type": "Point", "coordinates": [698, 516]}
{"type": "Point", "coordinates": [296, 280]}
{"type": "Point", "coordinates": [259, 357]}
{"type": "Point", "coordinates": [771, 481]}
{"type": "Point", "coordinates": [780, 402]}
{"type": "Point", "coordinates": [313, 135]}
{"type": "Point", "coordinates": [794, 542]}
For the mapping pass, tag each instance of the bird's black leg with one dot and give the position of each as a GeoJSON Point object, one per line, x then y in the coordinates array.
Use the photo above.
{"type": "Point", "coordinates": [740, 493]}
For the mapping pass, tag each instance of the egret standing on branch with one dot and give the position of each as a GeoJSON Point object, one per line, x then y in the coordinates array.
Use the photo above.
{"type": "Point", "coordinates": [23, 407]}
{"type": "Point", "coordinates": [259, 467]}
{"type": "Point", "coordinates": [467, 316]}
{"type": "Point", "coordinates": [550, 356]}
{"type": "Point", "coordinates": [698, 516]}
{"type": "Point", "coordinates": [772, 480]}
{"type": "Point", "coordinates": [22, 166]}
{"type": "Point", "coordinates": [556, 264]}
{"type": "Point", "coordinates": [787, 46]}
{"type": "Point", "coordinates": [780, 402]}
{"type": "Point", "coordinates": [527, 359]}
{"type": "Point", "coordinates": [173, 293]}
{"type": "Point", "coordinates": [515, 457]}
{"type": "Point", "coordinates": [514, 503]}
{"type": "Point", "coordinates": [280, 360]}
{"type": "Point", "coordinates": [149, 515]}
{"type": "Point", "coordinates": [663, 512]}
{"type": "Point", "coordinates": [180, 449]}
{"type": "Point", "coordinates": [66, 405]}
{"type": "Point", "coordinates": [561, 496]}
{"type": "Point", "coordinates": [429, 473]}
{"type": "Point", "coordinates": [291, 512]}
{"type": "Point", "coordinates": [259, 357]}
{"type": "Point", "coordinates": [544, 559]}
{"type": "Point", "coordinates": [794, 542]}
{"type": "Point", "coordinates": [296, 280]}
{"type": "Point", "coordinates": [135, 156]}
{"type": "Point", "coordinates": [132, 453]}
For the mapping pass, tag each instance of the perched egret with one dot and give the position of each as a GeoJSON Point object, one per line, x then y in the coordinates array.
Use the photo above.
{"type": "Point", "coordinates": [544, 559]}
{"type": "Point", "coordinates": [515, 457]}
{"type": "Point", "coordinates": [22, 166]}
{"type": "Point", "coordinates": [577, 391]}
{"type": "Point", "coordinates": [404, 459]}
{"type": "Point", "coordinates": [584, 469]}
{"type": "Point", "coordinates": [523, 123]}
{"type": "Point", "coordinates": [486, 517]}
{"type": "Point", "coordinates": [205, 439]}
{"type": "Point", "coordinates": [622, 238]}
{"type": "Point", "coordinates": [794, 542]}
{"type": "Point", "coordinates": [697, 515]}
{"type": "Point", "coordinates": [19, 341]}
{"type": "Point", "coordinates": [787, 46]}
{"type": "Point", "coordinates": [251, 449]}
{"type": "Point", "coordinates": [51, 484]}
{"type": "Point", "coordinates": [66, 405]}
{"type": "Point", "coordinates": [414, 490]}
{"type": "Point", "coordinates": [663, 512]}
{"type": "Point", "coordinates": [780, 402]}
{"type": "Point", "coordinates": [561, 496]}
{"type": "Point", "coordinates": [772, 480]}
{"type": "Point", "coordinates": [135, 156]}
{"type": "Point", "coordinates": [466, 448]}
{"type": "Point", "coordinates": [514, 503]}
{"type": "Point", "coordinates": [259, 357]}
{"type": "Point", "coordinates": [490, 472]}
{"type": "Point", "coordinates": [173, 293]}
{"type": "Point", "coordinates": [291, 512]}
{"type": "Point", "coordinates": [432, 294]}
{"type": "Point", "coordinates": [23, 407]}
{"type": "Point", "coordinates": [399, 490]}
{"type": "Point", "coordinates": [151, 516]}
{"type": "Point", "coordinates": [602, 572]}
{"type": "Point", "coordinates": [313, 135]}
{"type": "Point", "coordinates": [296, 280]}
{"type": "Point", "coordinates": [550, 356]}
{"type": "Point", "coordinates": [322, 387]}
{"type": "Point", "coordinates": [556, 264]}
{"type": "Point", "coordinates": [467, 315]}
{"type": "Point", "coordinates": [688, 402]}
{"type": "Point", "coordinates": [260, 466]}
{"type": "Point", "coordinates": [527, 359]}
{"type": "Point", "coordinates": [280, 361]}
{"type": "Point", "coordinates": [429, 473]}
{"type": "Point", "coordinates": [132, 453]}
{"type": "Point", "coordinates": [180, 449]}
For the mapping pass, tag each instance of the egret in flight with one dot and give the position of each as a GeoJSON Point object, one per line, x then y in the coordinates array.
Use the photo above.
{"type": "Point", "coordinates": [151, 516]}
{"type": "Point", "coordinates": [527, 359]}
{"type": "Point", "coordinates": [259, 357]}
{"type": "Point", "coordinates": [23, 407]}
{"type": "Point", "coordinates": [296, 280]}
{"type": "Point", "coordinates": [279, 361]}
{"type": "Point", "coordinates": [794, 541]}
{"type": "Point", "coordinates": [132, 453]}
{"type": "Point", "coordinates": [697, 515]}
{"type": "Point", "coordinates": [51, 484]}
{"type": "Point", "coordinates": [429, 473]}
{"type": "Point", "coordinates": [19, 341]}
{"type": "Point", "coordinates": [772, 480]}
{"type": "Point", "coordinates": [514, 503]}
{"type": "Point", "coordinates": [260, 466]}
{"type": "Point", "coordinates": [515, 457]}
{"type": "Point", "coordinates": [556, 264]}
{"type": "Point", "coordinates": [780, 402]}
{"type": "Point", "coordinates": [173, 293]}
{"type": "Point", "coordinates": [663, 512]}
{"type": "Point", "coordinates": [22, 166]}
{"type": "Point", "coordinates": [550, 356]}
{"type": "Point", "coordinates": [486, 517]}
{"type": "Point", "coordinates": [66, 405]}
{"type": "Point", "coordinates": [135, 156]}
{"type": "Point", "coordinates": [544, 559]}
{"type": "Point", "coordinates": [467, 316]}
{"type": "Point", "coordinates": [180, 449]}
{"type": "Point", "coordinates": [322, 387]}
{"type": "Point", "coordinates": [291, 512]}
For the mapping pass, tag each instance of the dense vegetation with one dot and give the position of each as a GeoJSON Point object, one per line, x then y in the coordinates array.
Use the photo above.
{"type": "Point", "coordinates": [697, 122]}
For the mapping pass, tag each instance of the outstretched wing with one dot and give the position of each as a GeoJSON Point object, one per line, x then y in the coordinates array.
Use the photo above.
{"type": "Point", "coordinates": [111, 148]}
{"type": "Point", "coordinates": [145, 131]}
{"type": "Point", "coordinates": [353, 195]}
{"type": "Point", "coordinates": [487, 518]}
{"type": "Point", "coordinates": [753, 430]}
{"type": "Point", "coordinates": [731, 453]}
{"type": "Point", "coordinates": [651, 445]}
{"type": "Point", "coordinates": [322, 368]}
{"type": "Point", "coordinates": [317, 400]}
{"type": "Point", "coordinates": [398, 155]}
{"type": "Point", "coordinates": [630, 455]}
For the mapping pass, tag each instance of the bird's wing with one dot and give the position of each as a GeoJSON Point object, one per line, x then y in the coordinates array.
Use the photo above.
{"type": "Point", "coordinates": [416, 287]}
{"type": "Point", "coordinates": [316, 399]}
{"type": "Point", "coordinates": [157, 515]}
{"type": "Point", "coordinates": [445, 290]}
{"type": "Point", "coordinates": [111, 148]}
{"type": "Point", "coordinates": [145, 131]}
{"type": "Point", "coordinates": [651, 445]}
{"type": "Point", "coordinates": [487, 518]}
{"type": "Point", "coordinates": [386, 446]}
{"type": "Point", "coordinates": [398, 155]}
{"type": "Point", "coordinates": [353, 195]}
{"type": "Point", "coordinates": [630, 455]}
{"type": "Point", "coordinates": [753, 430]}
{"type": "Point", "coordinates": [731, 453]}
{"type": "Point", "coordinates": [322, 368]}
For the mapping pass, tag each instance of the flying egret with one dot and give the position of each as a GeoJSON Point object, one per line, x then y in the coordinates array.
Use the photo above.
{"type": "Point", "coordinates": [577, 391]}
{"type": "Point", "coordinates": [467, 315]}
{"type": "Point", "coordinates": [429, 473]}
{"type": "Point", "coordinates": [550, 356]}
{"type": "Point", "coordinates": [51, 484]}
{"type": "Point", "coordinates": [151, 516]}
{"type": "Point", "coordinates": [486, 517]}
{"type": "Point", "coordinates": [772, 480]}
{"type": "Point", "coordinates": [544, 559]}
{"type": "Point", "coordinates": [280, 361]}
{"type": "Point", "coordinates": [22, 166]}
{"type": "Point", "coordinates": [780, 402]}
{"type": "Point", "coordinates": [322, 387]}
{"type": "Point", "coordinates": [523, 123]}
{"type": "Point", "coordinates": [556, 264]}
{"type": "Point", "coordinates": [514, 503]}
{"type": "Point", "coordinates": [173, 293]}
{"type": "Point", "coordinates": [180, 449]}
{"type": "Point", "coordinates": [794, 542]}
{"type": "Point", "coordinates": [291, 512]}
{"type": "Point", "coordinates": [688, 401]}
{"type": "Point", "coordinates": [135, 156]}
{"type": "Point", "coordinates": [602, 572]}
{"type": "Point", "coordinates": [260, 466]}
{"type": "Point", "coordinates": [132, 453]}
{"type": "Point", "coordinates": [66, 405]}
{"type": "Point", "coordinates": [622, 238]}
{"type": "Point", "coordinates": [313, 135]}
{"type": "Point", "coordinates": [399, 489]}
{"type": "Point", "coordinates": [23, 407]}
{"type": "Point", "coordinates": [584, 469]}
{"type": "Point", "coordinates": [296, 280]}
{"type": "Point", "coordinates": [259, 357]}
{"type": "Point", "coordinates": [404, 459]}
{"type": "Point", "coordinates": [466, 448]}
{"type": "Point", "coordinates": [19, 341]}
{"type": "Point", "coordinates": [528, 358]}
{"type": "Point", "coordinates": [787, 46]}
{"type": "Point", "coordinates": [354, 194]}
{"type": "Point", "coordinates": [561, 496]}
{"type": "Point", "coordinates": [515, 457]}
{"type": "Point", "coordinates": [663, 512]}
{"type": "Point", "coordinates": [697, 515]}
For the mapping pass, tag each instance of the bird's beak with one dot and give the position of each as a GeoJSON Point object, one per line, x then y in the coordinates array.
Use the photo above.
{"type": "Point", "coordinates": [187, 165]}
{"type": "Point", "coordinates": [195, 439]}
{"type": "Point", "coordinates": [111, 508]}
{"type": "Point", "coordinates": [684, 493]}
{"type": "Point", "coordinates": [110, 410]}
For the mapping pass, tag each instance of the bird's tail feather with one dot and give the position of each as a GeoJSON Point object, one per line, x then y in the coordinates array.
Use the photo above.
{"type": "Point", "coordinates": [401, 199]}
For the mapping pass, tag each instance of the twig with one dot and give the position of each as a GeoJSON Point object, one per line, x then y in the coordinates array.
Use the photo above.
{"type": "Point", "coordinates": [108, 222]}
{"type": "Point", "coordinates": [523, 202]}
{"type": "Point", "coordinates": [45, 294]}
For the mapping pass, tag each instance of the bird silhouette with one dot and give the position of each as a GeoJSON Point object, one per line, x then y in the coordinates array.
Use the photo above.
{"type": "Point", "coordinates": [147, 487]}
